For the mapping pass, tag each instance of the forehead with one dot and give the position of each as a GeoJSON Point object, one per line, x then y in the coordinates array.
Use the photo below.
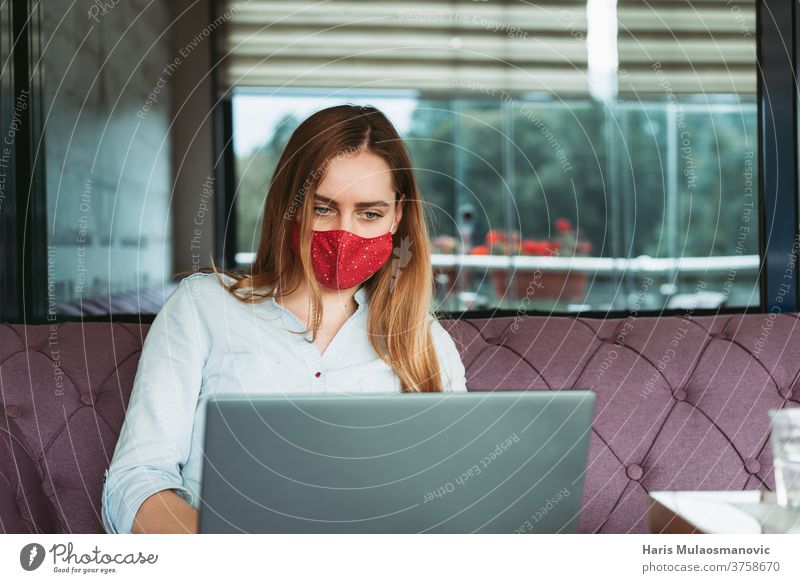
{"type": "Point", "coordinates": [363, 175]}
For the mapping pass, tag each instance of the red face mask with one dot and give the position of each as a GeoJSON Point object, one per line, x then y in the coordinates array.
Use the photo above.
{"type": "Point", "coordinates": [341, 259]}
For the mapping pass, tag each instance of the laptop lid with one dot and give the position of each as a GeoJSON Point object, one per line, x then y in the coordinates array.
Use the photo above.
{"type": "Point", "coordinates": [488, 462]}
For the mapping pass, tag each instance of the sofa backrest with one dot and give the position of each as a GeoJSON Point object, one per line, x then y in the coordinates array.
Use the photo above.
{"type": "Point", "coordinates": [682, 402]}
{"type": "Point", "coordinates": [681, 405]}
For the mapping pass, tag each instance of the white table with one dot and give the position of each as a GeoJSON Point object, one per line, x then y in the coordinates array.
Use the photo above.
{"type": "Point", "coordinates": [720, 512]}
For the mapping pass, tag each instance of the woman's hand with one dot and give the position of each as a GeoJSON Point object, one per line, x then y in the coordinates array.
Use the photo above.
{"type": "Point", "coordinates": [166, 513]}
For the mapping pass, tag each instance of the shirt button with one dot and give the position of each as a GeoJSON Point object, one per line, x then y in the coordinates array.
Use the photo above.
{"type": "Point", "coordinates": [318, 373]}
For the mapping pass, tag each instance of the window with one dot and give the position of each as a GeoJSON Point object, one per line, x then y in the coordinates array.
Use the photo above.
{"type": "Point", "coordinates": [108, 179]}
{"type": "Point", "coordinates": [519, 115]}
{"type": "Point", "coordinates": [572, 156]}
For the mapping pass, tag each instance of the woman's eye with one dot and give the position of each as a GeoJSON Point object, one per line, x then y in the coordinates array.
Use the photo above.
{"type": "Point", "coordinates": [317, 210]}
{"type": "Point", "coordinates": [375, 216]}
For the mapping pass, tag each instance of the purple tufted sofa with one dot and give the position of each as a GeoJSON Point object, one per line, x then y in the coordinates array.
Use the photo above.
{"type": "Point", "coordinates": [681, 405]}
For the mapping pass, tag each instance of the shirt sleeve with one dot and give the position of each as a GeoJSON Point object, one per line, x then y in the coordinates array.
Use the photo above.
{"type": "Point", "coordinates": [155, 438]}
{"type": "Point", "coordinates": [454, 377]}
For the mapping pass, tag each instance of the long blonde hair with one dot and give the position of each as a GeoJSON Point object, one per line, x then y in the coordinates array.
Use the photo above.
{"type": "Point", "coordinates": [400, 292]}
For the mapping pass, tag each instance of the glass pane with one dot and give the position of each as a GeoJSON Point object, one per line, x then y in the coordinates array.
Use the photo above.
{"type": "Point", "coordinates": [562, 208]}
{"type": "Point", "coordinates": [430, 142]}
{"type": "Point", "coordinates": [108, 163]}
{"type": "Point", "coordinates": [631, 190]}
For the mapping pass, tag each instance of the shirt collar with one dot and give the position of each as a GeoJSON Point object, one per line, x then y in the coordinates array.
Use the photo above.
{"type": "Point", "coordinates": [361, 296]}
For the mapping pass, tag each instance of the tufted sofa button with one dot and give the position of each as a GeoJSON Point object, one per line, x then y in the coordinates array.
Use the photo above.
{"type": "Point", "coordinates": [680, 395]}
{"type": "Point", "coordinates": [47, 487]}
{"type": "Point", "coordinates": [13, 411]}
{"type": "Point", "coordinates": [88, 398]}
{"type": "Point", "coordinates": [634, 471]}
{"type": "Point", "coordinates": [785, 392]}
{"type": "Point", "coordinates": [752, 466]}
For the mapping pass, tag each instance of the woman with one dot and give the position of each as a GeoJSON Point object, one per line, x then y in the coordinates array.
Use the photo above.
{"type": "Point", "coordinates": [337, 301]}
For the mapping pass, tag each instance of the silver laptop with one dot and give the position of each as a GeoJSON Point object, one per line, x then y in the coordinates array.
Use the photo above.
{"type": "Point", "coordinates": [482, 462]}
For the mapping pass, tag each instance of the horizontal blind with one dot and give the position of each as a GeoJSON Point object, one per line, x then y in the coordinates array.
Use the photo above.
{"type": "Point", "coordinates": [697, 46]}
{"type": "Point", "coordinates": [436, 46]}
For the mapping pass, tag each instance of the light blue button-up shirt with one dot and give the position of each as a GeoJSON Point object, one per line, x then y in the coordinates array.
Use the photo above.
{"type": "Point", "coordinates": [204, 342]}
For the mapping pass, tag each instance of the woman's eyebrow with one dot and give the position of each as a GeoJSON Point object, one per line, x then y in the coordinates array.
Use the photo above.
{"type": "Point", "coordinates": [330, 201]}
